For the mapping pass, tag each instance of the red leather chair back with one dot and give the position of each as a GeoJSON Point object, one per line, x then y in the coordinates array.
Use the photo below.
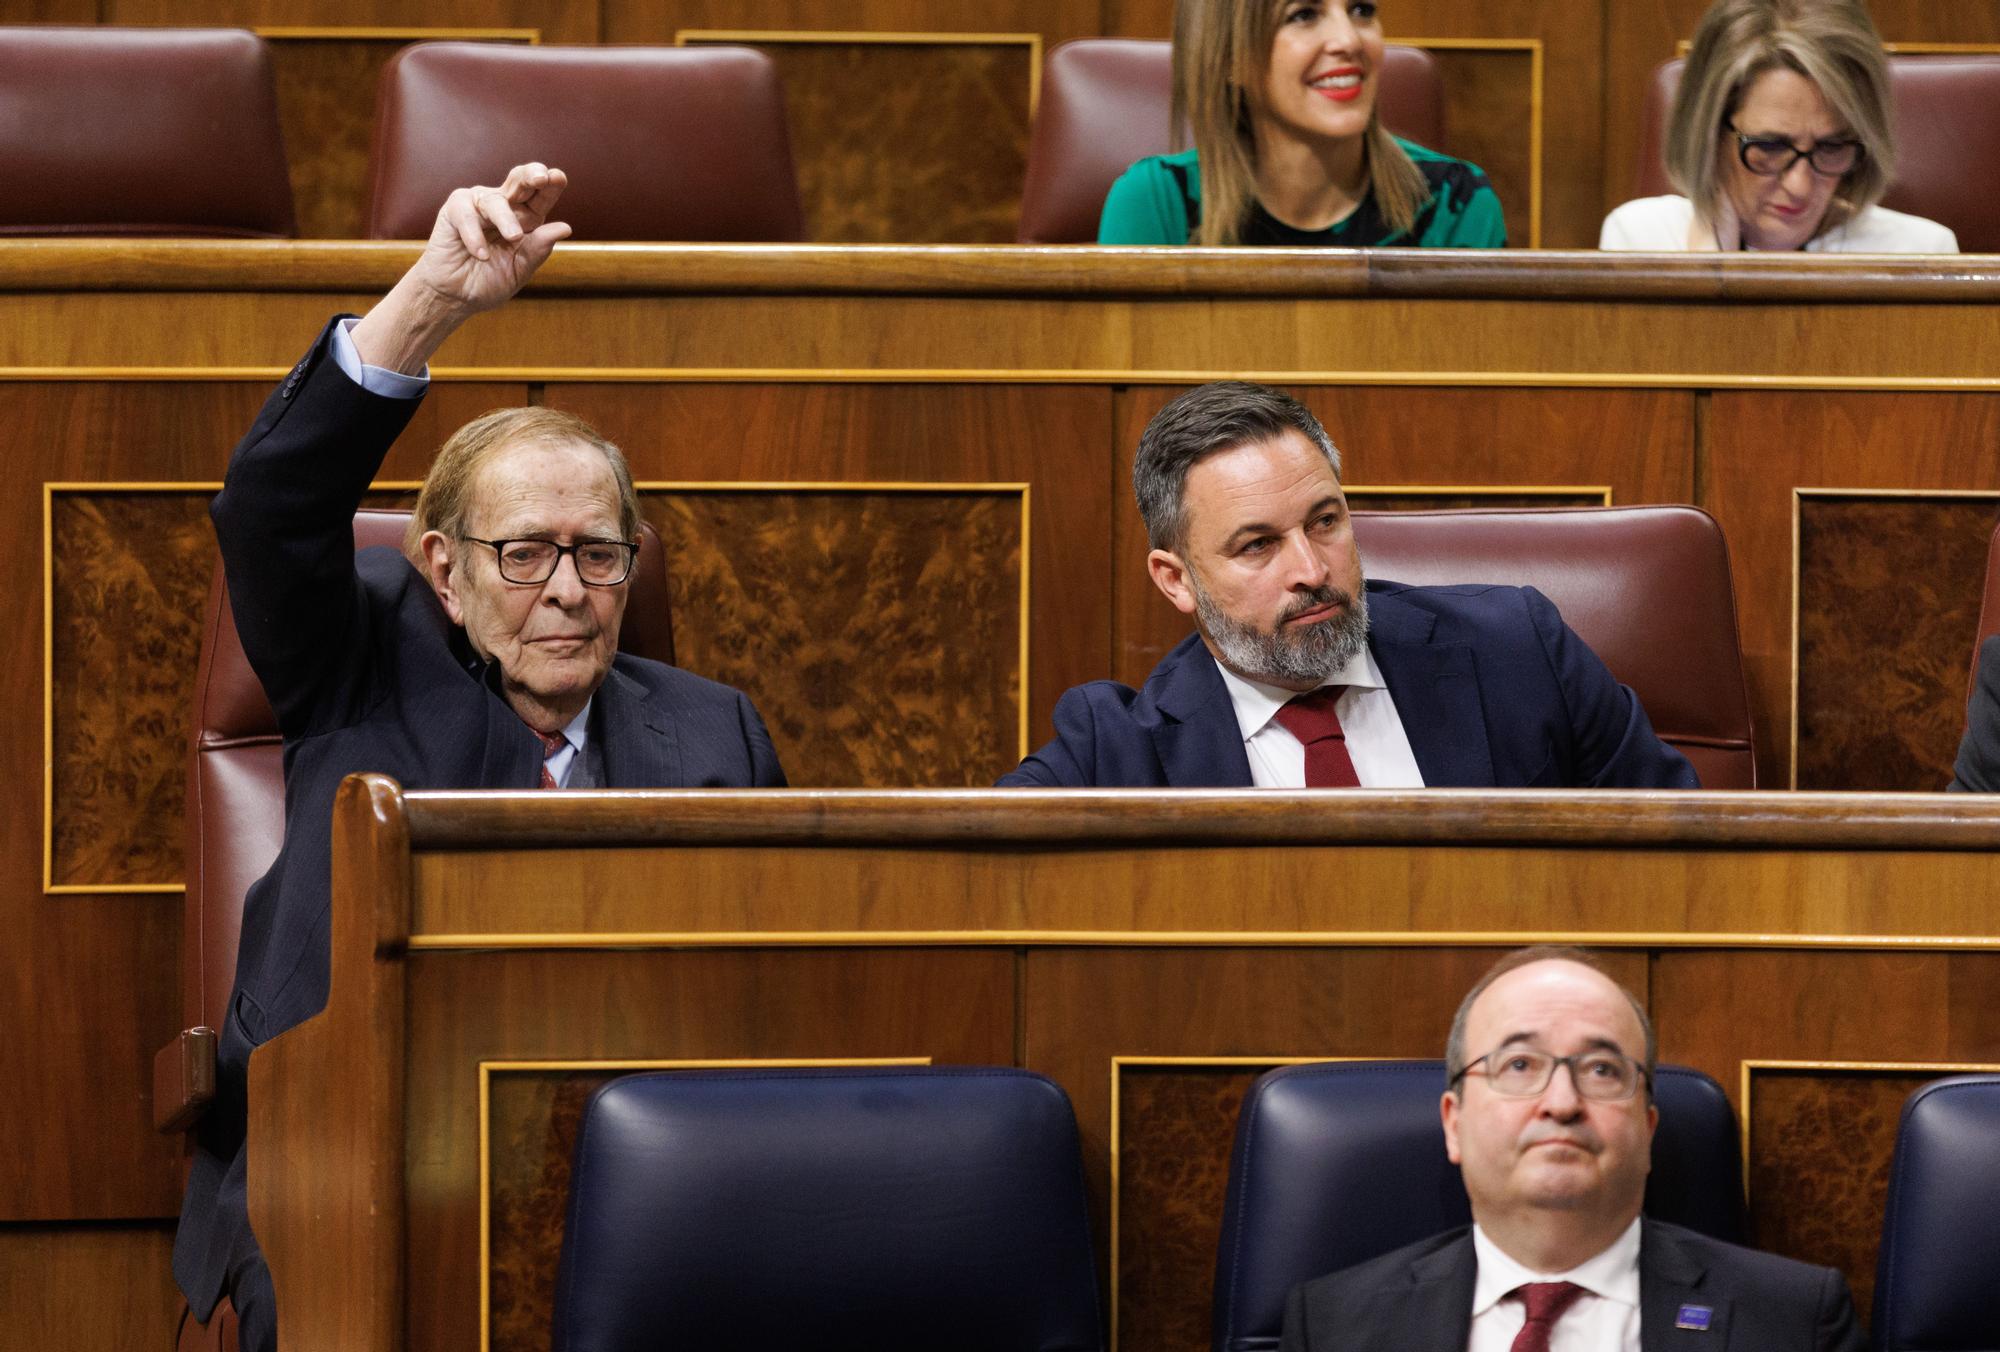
{"type": "Point", "coordinates": [236, 783]}
{"type": "Point", "coordinates": [1947, 141]}
{"type": "Point", "coordinates": [1648, 588]}
{"type": "Point", "coordinates": [141, 131]}
{"type": "Point", "coordinates": [660, 143]}
{"type": "Point", "coordinates": [1105, 103]}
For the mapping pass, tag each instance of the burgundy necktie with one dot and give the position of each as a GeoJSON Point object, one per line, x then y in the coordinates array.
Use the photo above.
{"type": "Point", "coordinates": [1311, 719]}
{"type": "Point", "coordinates": [1546, 1302]}
{"type": "Point", "coordinates": [552, 742]}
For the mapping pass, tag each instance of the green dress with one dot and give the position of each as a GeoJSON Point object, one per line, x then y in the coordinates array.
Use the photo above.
{"type": "Point", "coordinates": [1158, 201]}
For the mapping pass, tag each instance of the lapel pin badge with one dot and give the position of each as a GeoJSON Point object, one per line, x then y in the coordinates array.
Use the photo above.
{"type": "Point", "coordinates": [1694, 1317]}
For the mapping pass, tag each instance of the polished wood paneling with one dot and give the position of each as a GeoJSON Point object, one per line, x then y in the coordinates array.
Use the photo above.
{"type": "Point", "coordinates": [1490, 118]}
{"type": "Point", "coordinates": [1820, 1146]}
{"type": "Point", "coordinates": [103, 1287]}
{"type": "Point", "coordinates": [1640, 445]}
{"type": "Point", "coordinates": [328, 126]}
{"type": "Point", "coordinates": [950, 1006]}
{"type": "Point", "coordinates": [1889, 592]}
{"type": "Point", "coordinates": [907, 142]}
{"type": "Point", "coordinates": [1757, 447]}
{"type": "Point", "coordinates": [878, 634]}
{"type": "Point", "coordinates": [659, 20]}
{"type": "Point", "coordinates": [1050, 438]}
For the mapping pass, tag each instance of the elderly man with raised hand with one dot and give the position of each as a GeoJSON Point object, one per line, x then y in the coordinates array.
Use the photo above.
{"type": "Point", "coordinates": [1299, 674]}
{"type": "Point", "coordinates": [1549, 1115]}
{"type": "Point", "coordinates": [484, 656]}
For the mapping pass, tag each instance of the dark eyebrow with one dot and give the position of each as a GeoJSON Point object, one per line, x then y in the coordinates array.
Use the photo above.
{"type": "Point", "coordinates": [1257, 528]}
{"type": "Point", "coordinates": [1596, 1044]}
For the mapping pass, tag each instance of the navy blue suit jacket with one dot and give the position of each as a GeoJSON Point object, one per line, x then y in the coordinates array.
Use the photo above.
{"type": "Point", "coordinates": [1420, 1296]}
{"type": "Point", "coordinates": [367, 673]}
{"type": "Point", "coordinates": [1493, 689]}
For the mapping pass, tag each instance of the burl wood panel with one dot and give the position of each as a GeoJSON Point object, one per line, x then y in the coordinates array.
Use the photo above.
{"type": "Point", "coordinates": [1759, 446]}
{"type": "Point", "coordinates": [1175, 1128]}
{"type": "Point", "coordinates": [1053, 438]}
{"type": "Point", "coordinates": [1889, 593]}
{"type": "Point", "coordinates": [103, 1287]}
{"type": "Point", "coordinates": [556, 20]}
{"type": "Point", "coordinates": [877, 633]}
{"type": "Point", "coordinates": [534, 1116]}
{"type": "Point", "coordinates": [1820, 1146]}
{"type": "Point", "coordinates": [129, 572]}
{"type": "Point", "coordinates": [1640, 445]}
{"type": "Point", "coordinates": [908, 143]}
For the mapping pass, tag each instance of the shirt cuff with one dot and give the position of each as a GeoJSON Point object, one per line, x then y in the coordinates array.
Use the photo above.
{"type": "Point", "coordinates": [374, 379]}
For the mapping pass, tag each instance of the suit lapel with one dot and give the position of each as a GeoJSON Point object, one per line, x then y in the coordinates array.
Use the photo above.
{"type": "Point", "coordinates": [640, 746]}
{"type": "Point", "coordinates": [1198, 742]}
{"type": "Point", "coordinates": [1436, 690]}
{"type": "Point", "coordinates": [1672, 1280]}
{"type": "Point", "coordinates": [1433, 1311]}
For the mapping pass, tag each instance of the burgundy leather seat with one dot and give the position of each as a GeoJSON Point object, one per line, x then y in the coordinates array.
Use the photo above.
{"type": "Point", "coordinates": [141, 131]}
{"type": "Point", "coordinates": [1947, 141]}
{"type": "Point", "coordinates": [660, 143]}
{"type": "Point", "coordinates": [1105, 103]}
{"type": "Point", "coordinates": [1648, 588]}
{"type": "Point", "coordinates": [236, 805]}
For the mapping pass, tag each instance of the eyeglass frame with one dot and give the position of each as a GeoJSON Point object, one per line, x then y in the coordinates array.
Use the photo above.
{"type": "Point", "coordinates": [1557, 1063]}
{"type": "Point", "coordinates": [1745, 140]}
{"type": "Point", "coordinates": [631, 548]}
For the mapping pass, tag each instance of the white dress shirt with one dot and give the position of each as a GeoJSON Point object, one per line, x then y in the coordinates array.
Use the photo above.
{"type": "Point", "coordinates": [1376, 741]}
{"type": "Point", "coordinates": [1606, 1319]}
{"type": "Point", "coordinates": [574, 737]}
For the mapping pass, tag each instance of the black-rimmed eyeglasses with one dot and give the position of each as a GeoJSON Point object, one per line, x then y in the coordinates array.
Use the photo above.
{"type": "Point", "coordinates": [1523, 1072]}
{"type": "Point", "coordinates": [1774, 156]}
{"type": "Point", "coordinates": [599, 563]}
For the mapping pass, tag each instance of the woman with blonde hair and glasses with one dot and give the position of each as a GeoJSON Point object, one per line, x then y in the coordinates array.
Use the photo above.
{"type": "Point", "coordinates": [1289, 148]}
{"type": "Point", "coordinates": [1780, 138]}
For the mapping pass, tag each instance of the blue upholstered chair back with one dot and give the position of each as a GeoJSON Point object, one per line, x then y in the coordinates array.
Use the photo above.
{"type": "Point", "coordinates": [1338, 1162]}
{"type": "Point", "coordinates": [828, 1209]}
{"type": "Point", "coordinates": [1937, 1282]}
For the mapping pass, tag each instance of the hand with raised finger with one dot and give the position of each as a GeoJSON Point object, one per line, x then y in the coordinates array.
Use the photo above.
{"type": "Point", "coordinates": [485, 245]}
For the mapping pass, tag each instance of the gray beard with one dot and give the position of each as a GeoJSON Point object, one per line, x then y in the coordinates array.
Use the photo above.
{"type": "Point", "coordinates": [1287, 657]}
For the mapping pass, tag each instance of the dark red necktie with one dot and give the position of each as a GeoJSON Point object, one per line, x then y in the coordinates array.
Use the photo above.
{"type": "Point", "coordinates": [552, 742]}
{"type": "Point", "coordinates": [1546, 1302]}
{"type": "Point", "coordinates": [1311, 719]}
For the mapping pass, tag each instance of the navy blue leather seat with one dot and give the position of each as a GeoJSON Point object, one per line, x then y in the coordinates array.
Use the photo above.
{"type": "Point", "coordinates": [1337, 1162]}
{"type": "Point", "coordinates": [1935, 1287]}
{"type": "Point", "coordinates": [880, 1209]}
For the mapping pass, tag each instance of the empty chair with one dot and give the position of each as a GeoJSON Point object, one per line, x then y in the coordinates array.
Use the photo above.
{"type": "Point", "coordinates": [1339, 1162]}
{"type": "Point", "coordinates": [660, 143]}
{"type": "Point", "coordinates": [141, 131]}
{"type": "Point", "coordinates": [1934, 1284]}
{"type": "Point", "coordinates": [1648, 588]}
{"type": "Point", "coordinates": [1105, 102]}
{"type": "Point", "coordinates": [867, 1209]}
{"type": "Point", "coordinates": [1947, 141]}
{"type": "Point", "coordinates": [236, 806]}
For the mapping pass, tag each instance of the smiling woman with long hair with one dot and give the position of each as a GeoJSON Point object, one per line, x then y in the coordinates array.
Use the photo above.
{"type": "Point", "coordinates": [1289, 146]}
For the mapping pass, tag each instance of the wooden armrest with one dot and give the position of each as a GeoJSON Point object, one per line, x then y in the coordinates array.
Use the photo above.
{"type": "Point", "coordinates": [183, 1079]}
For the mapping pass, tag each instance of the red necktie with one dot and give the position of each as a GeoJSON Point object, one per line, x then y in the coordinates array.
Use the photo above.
{"type": "Point", "coordinates": [552, 742]}
{"type": "Point", "coordinates": [1546, 1302]}
{"type": "Point", "coordinates": [1311, 719]}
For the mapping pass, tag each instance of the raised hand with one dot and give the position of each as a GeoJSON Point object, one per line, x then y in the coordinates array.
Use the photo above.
{"type": "Point", "coordinates": [485, 245]}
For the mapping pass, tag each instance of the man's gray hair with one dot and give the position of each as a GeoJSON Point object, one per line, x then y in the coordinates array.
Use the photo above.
{"type": "Point", "coordinates": [1454, 1045]}
{"type": "Point", "coordinates": [1204, 422]}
